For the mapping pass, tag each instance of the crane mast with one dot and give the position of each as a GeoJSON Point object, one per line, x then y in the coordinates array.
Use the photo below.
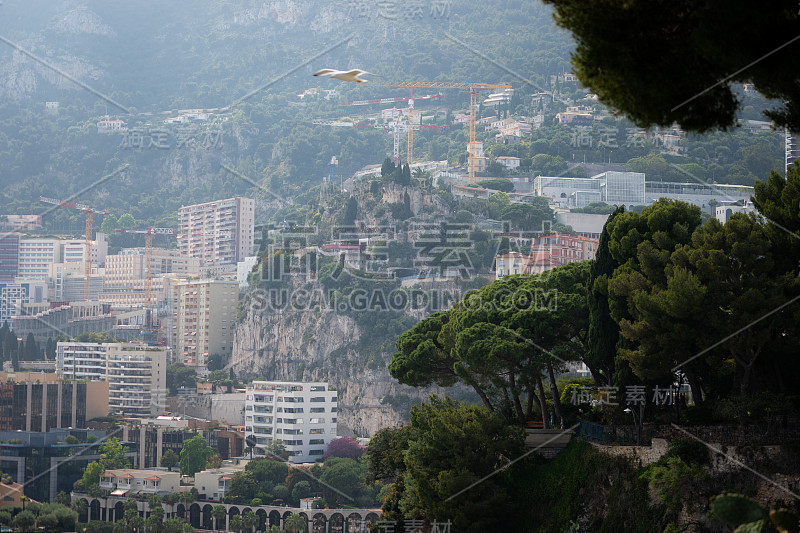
{"type": "Point", "coordinates": [472, 88]}
{"type": "Point", "coordinates": [89, 212]}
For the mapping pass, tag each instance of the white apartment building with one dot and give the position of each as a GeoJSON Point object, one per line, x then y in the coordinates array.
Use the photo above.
{"type": "Point", "coordinates": [300, 415]}
{"type": "Point", "coordinates": [215, 483]}
{"type": "Point", "coordinates": [38, 254]}
{"type": "Point", "coordinates": [136, 373]}
{"type": "Point", "coordinates": [725, 211]}
{"type": "Point", "coordinates": [218, 232]}
{"type": "Point", "coordinates": [205, 315]}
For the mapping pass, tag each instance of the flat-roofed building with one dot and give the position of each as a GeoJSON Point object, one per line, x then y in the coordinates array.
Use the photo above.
{"type": "Point", "coordinates": [215, 483]}
{"type": "Point", "coordinates": [218, 232]}
{"type": "Point", "coordinates": [27, 455]}
{"type": "Point", "coordinates": [33, 406]}
{"type": "Point", "coordinates": [632, 189]}
{"type": "Point", "coordinates": [36, 256]}
{"type": "Point", "coordinates": [204, 320]}
{"type": "Point", "coordinates": [135, 372]}
{"type": "Point", "coordinates": [699, 194]}
{"type": "Point", "coordinates": [301, 415]}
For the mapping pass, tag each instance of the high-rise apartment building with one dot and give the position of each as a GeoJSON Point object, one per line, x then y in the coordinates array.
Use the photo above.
{"type": "Point", "coordinates": [205, 315]}
{"type": "Point", "coordinates": [136, 373]}
{"type": "Point", "coordinates": [300, 415]}
{"type": "Point", "coordinates": [219, 232]}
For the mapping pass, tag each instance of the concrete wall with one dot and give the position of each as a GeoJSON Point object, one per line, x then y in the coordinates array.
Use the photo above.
{"type": "Point", "coordinates": [583, 223]}
{"type": "Point", "coordinates": [96, 399]}
{"type": "Point", "coordinates": [227, 407]}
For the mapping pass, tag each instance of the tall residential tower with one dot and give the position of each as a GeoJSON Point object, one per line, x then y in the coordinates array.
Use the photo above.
{"type": "Point", "coordinates": [219, 232]}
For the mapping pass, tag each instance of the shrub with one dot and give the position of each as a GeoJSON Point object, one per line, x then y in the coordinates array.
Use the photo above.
{"type": "Point", "coordinates": [345, 447]}
{"type": "Point", "coordinates": [689, 450]}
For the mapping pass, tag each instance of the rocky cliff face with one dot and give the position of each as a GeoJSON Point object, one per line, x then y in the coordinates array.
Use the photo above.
{"type": "Point", "coordinates": [317, 345]}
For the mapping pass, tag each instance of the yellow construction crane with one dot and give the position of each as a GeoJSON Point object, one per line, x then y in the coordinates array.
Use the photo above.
{"type": "Point", "coordinates": [148, 250]}
{"type": "Point", "coordinates": [472, 88]}
{"type": "Point", "coordinates": [148, 254]}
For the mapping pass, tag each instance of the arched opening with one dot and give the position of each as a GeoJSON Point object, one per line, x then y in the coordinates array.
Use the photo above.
{"type": "Point", "coordinates": [207, 521]}
{"type": "Point", "coordinates": [337, 523]}
{"type": "Point", "coordinates": [262, 519]}
{"type": "Point", "coordinates": [94, 510]}
{"type": "Point", "coordinates": [275, 518]}
{"type": "Point", "coordinates": [180, 510]}
{"type": "Point", "coordinates": [195, 515]}
{"type": "Point", "coordinates": [370, 520]}
{"type": "Point", "coordinates": [84, 517]}
{"type": "Point", "coordinates": [232, 511]}
{"type": "Point", "coordinates": [119, 512]}
{"type": "Point", "coordinates": [286, 515]}
{"type": "Point", "coordinates": [354, 522]}
{"type": "Point", "coordinates": [319, 523]}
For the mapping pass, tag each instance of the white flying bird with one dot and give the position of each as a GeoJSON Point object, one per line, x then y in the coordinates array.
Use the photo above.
{"type": "Point", "coordinates": [344, 75]}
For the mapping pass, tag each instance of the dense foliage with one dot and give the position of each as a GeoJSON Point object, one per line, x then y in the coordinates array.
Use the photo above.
{"type": "Point", "coordinates": [338, 481]}
{"type": "Point", "coordinates": [670, 62]}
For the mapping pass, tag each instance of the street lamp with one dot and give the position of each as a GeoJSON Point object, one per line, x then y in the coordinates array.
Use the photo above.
{"type": "Point", "coordinates": [638, 421]}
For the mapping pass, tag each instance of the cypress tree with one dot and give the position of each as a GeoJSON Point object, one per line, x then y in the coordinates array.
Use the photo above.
{"type": "Point", "coordinates": [387, 168]}
{"type": "Point", "coordinates": [31, 348]}
{"type": "Point", "coordinates": [406, 176]}
{"type": "Point", "coordinates": [603, 330]}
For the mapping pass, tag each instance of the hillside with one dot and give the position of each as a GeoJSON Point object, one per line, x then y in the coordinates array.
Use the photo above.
{"type": "Point", "coordinates": [246, 63]}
